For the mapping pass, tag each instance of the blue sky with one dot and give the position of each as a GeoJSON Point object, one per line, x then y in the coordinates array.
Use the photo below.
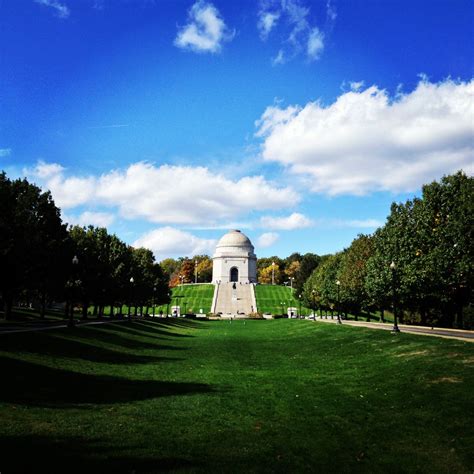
{"type": "Point", "coordinates": [297, 121]}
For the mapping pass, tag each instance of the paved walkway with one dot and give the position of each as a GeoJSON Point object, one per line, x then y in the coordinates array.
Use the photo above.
{"type": "Point", "coordinates": [459, 334]}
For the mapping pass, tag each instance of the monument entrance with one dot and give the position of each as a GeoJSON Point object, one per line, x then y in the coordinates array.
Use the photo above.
{"type": "Point", "coordinates": [234, 274]}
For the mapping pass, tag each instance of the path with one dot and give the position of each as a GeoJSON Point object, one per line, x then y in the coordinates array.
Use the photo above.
{"type": "Point", "coordinates": [459, 334]}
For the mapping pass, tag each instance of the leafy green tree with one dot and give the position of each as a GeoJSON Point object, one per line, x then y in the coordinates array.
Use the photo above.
{"type": "Point", "coordinates": [33, 243]}
{"type": "Point", "coordinates": [352, 274]}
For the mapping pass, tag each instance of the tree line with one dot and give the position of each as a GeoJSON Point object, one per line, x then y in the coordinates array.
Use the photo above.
{"type": "Point", "coordinates": [430, 241]}
{"type": "Point", "coordinates": [42, 260]}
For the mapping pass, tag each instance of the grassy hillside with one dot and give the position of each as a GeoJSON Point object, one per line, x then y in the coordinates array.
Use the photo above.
{"type": "Point", "coordinates": [271, 297]}
{"type": "Point", "coordinates": [242, 396]}
{"type": "Point", "coordinates": [192, 298]}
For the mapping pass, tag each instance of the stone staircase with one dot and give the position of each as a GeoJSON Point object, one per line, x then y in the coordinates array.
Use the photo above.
{"type": "Point", "coordinates": [238, 301]}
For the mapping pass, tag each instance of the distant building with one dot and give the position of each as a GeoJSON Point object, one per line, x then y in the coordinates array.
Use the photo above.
{"type": "Point", "coordinates": [234, 259]}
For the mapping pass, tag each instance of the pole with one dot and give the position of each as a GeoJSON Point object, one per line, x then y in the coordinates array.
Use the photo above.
{"type": "Point", "coordinates": [338, 283]}
{"type": "Point", "coordinates": [393, 268]}
{"type": "Point", "coordinates": [273, 273]}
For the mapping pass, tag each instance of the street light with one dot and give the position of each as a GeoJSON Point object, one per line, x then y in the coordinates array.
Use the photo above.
{"type": "Point", "coordinates": [75, 262]}
{"type": "Point", "coordinates": [273, 273]}
{"type": "Point", "coordinates": [291, 282]}
{"type": "Point", "coordinates": [299, 301]}
{"type": "Point", "coordinates": [181, 277]}
{"type": "Point", "coordinates": [393, 269]}
{"type": "Point", "coordinates": [132, 281]}
{"type": "Point", "coordinates": [195, 271]}
{"type": "Point", "coordinates": [338, 283]}
{"type": "Point", "coordinates": [313, 292]}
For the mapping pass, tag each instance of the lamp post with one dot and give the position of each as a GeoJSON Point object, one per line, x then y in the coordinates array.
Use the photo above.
{"type": "Point", "coordinates": [291, 282]}
{"type": "Point", "coordinates": [195, 271]}
{"type": "Point", "coordinates": [338, 284]}
{"type": "Point", "coordinates": [75, 262]}
{"type": "Point", "coordinates": [181, 278]}
{"type": "Point", "coordinates": [393, 269]}
{"type": "Point", "coordinates": [153, 302]}
{"type": "Point", "coordinates": [273, 273]}
{"type": "Point", "coordinates": [299, 302]}
{"type": "Point", "coordinates": [313, 306]}
{"type": "Point", "coordinates": [132, 281]}
{"type": "Point", "coordinates": [177, 298]}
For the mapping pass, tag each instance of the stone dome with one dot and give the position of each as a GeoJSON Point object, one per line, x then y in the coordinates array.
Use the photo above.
{"type": "Point", "coordinates": [235, 238]}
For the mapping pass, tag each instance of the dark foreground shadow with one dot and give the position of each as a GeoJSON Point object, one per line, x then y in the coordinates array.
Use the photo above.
{"type": "Point", "coordinates": [84, 349]}
{"type": "Point", "coordinates": [31, 384]}
{"type": "Point", "coordinates": [28, 454]}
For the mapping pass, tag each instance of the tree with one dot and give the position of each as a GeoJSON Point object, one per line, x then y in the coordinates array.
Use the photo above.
{"type": "Point", "coordinates": [33, 243]}
{"type": "Point", "coordinates": [352, 274]}
{"type": "Point", "coordinates": [308, 263]}
{"type": "Point", "coordinates": [270, 274]}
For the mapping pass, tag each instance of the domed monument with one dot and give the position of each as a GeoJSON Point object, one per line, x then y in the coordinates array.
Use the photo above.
{"type": "Point", "coordinates": [234, 259]}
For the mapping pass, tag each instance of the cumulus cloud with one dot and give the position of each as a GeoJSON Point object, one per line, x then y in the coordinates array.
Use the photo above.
{"type": "Point", "coordinates": [291, 222]}
{"type": "Point", "coordinates": [5, 152]}
{"type": "Point", "coordinates": [368, 141]}
{"type": "Point", "coordinates": [205, 31]}
{"type": "Point", "coordinates": [187, 195]}
{"type": "Point", "coordinates": [61, 10]}
{"type": "Point", "coordinates": [267, 239]}
{"type": "Point", "coordinates": [97, 219]}
{"type": "Point", "coordinates": [169, 241]}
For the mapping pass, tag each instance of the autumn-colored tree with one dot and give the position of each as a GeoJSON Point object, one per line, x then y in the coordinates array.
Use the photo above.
{"type": "Point", "coordinates": [269, 274]}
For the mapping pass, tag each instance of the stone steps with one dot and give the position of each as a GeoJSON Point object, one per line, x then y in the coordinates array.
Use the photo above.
{"type": "Point", "coordinates": [228, 300]}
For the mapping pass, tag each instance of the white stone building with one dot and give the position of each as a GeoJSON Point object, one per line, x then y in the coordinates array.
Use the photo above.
{"type": "Point", "coordinates": [234, 259]}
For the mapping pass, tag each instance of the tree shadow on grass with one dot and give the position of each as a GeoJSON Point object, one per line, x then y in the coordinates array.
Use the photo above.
{"type": "Point", "coordinates": [106, 334]}
{"type": "Point", "coordinates": [52, 345]}
{"type": "Point", "coordinates": [180, 323]}
{"type": "Point", "coordinates": [153, 330]}
{"type": "Point", "coordinates": [32, 384]}
{"type": "Point", "coordinates": [21, 454]}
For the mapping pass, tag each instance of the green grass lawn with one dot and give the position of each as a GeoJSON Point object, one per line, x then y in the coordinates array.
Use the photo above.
{"type": "Point", "coordinates": [191, 298]}
{"type": "Point", "coordinates": [270, 297]}
{"type": "Point", "coordinates": [243, 396]}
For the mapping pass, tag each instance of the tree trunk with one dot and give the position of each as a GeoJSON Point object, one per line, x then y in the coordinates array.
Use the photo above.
{"type": "Point", "coordinates": [382, 315]}
{"type": "Point", "coordinates": [85, 307]}
{"type": "Point", "coordinates": [8, 306]}
{"type": "Point", "coordinates": [43, 305]}
{"type": "Point", "coordinates": [66, 309]}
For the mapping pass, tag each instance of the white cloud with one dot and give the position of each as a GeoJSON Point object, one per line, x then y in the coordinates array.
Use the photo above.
{"type": "Point", "coordinates": [5, 152]}
{"type": "Point", "coordinates": [291, 222]}
{"type": "Point", "coordinates": [97, 219]}
{"type": "Point", "coordinates": [267, 239]}
{"type": "Point", "coordinates": [299, 35]}
{"type": "Point", "coordinates": [188, 195]}
{"type": "Point", "coordinates": [205, 31]}
{"type": "Point", "coordinates": [61, 10]}
{"type": "Point", "coordinates": [352, 224]}
{"type": "Point", "coordinates": [266, 22]}
{"type": "Point", "coordinates": [368, 141]}
{"type": "Point", "coordinates": [315, 44]}
{"type": "Point", "coordinates": [169, 242]}
{"type": "Point", "coordinates": [279, 58]}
